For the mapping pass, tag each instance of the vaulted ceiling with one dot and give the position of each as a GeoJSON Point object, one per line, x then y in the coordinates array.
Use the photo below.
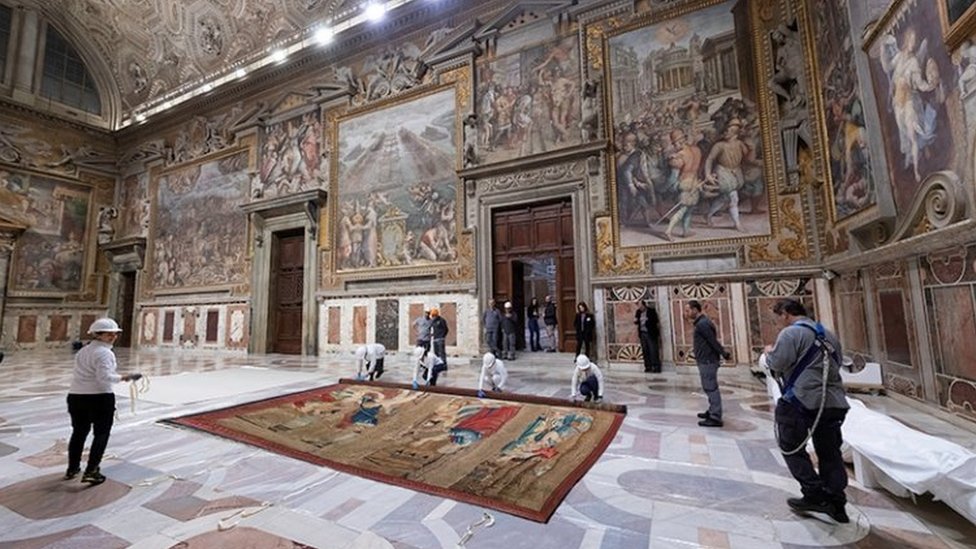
{"type": "Point", "coordinates": [151, 47]}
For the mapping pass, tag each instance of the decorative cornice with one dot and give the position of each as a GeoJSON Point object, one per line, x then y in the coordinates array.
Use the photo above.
{"type": "Point", "coordinates": [530, 162]}
{"type": "Point", "coordinates": [285, 205]}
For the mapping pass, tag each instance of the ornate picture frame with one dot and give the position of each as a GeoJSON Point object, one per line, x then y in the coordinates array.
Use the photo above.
{"type": "Point", "coordinates": [958, 21]}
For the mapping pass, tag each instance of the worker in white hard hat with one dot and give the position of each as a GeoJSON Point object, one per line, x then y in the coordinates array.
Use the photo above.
{"type": "Point", "coordinates": [370, 357]}
{"type": "Point", "coordinates": [91, 402]}
{"type": "Point", "coordinates": [493, 371]}
{"type": "Point", "coordinates": [427, 367]}
{"type": "Point", "coordinates": [587, 380]}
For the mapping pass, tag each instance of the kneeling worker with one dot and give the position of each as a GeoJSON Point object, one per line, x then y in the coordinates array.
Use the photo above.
{"type": "Point", "coordinates": [427, 367]}
{"type": "Point", "coordinates": [370, 356]}
{"type": "Point", "coordinates": [493, 371]}
{"type": "Point", "coordinates": [587, 380]}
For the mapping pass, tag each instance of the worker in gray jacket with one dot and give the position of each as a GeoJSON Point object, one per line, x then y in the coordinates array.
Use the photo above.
{"type": "Point", "coordinates": [806, 358]}
{"type": "Point", "coordinates": [492, 320]}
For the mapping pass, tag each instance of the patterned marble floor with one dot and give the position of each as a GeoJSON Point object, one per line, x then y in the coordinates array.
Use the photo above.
{"type": "Point", "coordinates": [664, 482]}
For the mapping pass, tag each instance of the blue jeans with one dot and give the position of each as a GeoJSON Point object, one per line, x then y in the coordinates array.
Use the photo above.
{"type": "Point", "coordinates": [590, 388]}
{"type": "Point", "coordinates": [534, 335]}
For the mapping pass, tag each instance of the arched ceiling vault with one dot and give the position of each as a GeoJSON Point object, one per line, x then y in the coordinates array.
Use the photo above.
{"type": "Point", "coordinates": [152, 47]}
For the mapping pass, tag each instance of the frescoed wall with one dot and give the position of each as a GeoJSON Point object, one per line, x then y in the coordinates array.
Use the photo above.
{"type": "Point", "coordinates": [395, 187]}
{"type": "Point", "coordinates": [529, 102]}
{"type": "Point", "coordinates": [291, 159]}
{"type": "Point", "coordinates": [686, 130]}
{"type": "Point", "coordinates": [199, 236]}
{"type": "Point", "coordinates": [847, 146]}
{"type": "Point", "coordinates": [133, 205]}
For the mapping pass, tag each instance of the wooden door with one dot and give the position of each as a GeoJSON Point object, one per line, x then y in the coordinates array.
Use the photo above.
{"type": "Point", "coordinates": [534, 231]}
{"type": "Point", "coordinates": [127, 301]}
{"type": "Point", "coordinates": [287, 292]}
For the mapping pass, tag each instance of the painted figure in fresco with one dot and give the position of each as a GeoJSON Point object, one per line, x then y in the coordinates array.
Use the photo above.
{"type": "Point", "coordinates": [685, 161]}
{"type": "Point", "coordinates": [909, 85]}
{"type": "Point", "coordinates": [635, 191]}
{"type": "Point", "coordinates": [723, 173]}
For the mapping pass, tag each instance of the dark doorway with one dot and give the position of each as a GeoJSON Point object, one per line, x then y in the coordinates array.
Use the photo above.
{"type": "Point", "coordinates": [127, 301]}
{"type": "Point", "coordinates": [534, 256]}
{"type": "Point", "coordinates": [287, 290]}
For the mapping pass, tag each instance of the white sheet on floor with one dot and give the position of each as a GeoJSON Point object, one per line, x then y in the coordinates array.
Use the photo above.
{"type": "Point", "coordinates": [190, 387]}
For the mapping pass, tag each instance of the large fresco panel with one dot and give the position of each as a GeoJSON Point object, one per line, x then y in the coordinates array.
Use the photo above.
{"type": "Point", "coordinates": [848, 150]}
{"type": "Point", "coordinates": [200, 236]}
{"type": "Point", "coordinates": [914, 81]}
{"type": "Point", "coordinates": [686, 127]}
{"type": "Point", "coordinates": [134, 203]}
{"type": "Point", "coordinates": [50, 255]}
{"type": "Point", "coordinates": [290, 155]}
{"type": "Point", "coordinates": [396, 185]}
{"type": "Point", "coordinates": [529, 102]}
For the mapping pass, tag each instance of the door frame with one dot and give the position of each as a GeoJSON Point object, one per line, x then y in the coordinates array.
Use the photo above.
{"type": "Point", "coordinates": [269, 217]}
{"type": "Point", "coordinates": [575, 191]}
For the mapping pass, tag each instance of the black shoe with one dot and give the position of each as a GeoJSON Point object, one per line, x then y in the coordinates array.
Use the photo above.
{"type": "Point", "coordinates": [806, 506]}
{"type": "Point", "coordinates": [703, 415]}
{"type": "Point", "coordinates": [70, 474]}
{"type": "Point", "coordinates": [94, 477]}
{"type": "Point", "coordinates": [710, 422]}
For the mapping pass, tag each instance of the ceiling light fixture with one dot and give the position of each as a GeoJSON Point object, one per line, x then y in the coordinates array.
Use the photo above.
{"type": "Point", "coordinates": [374, 11]}
{"type": "Point", "coordinates": [324, 35]}
{"type": "Point", "coordinates": [279, 55]}
{"type": "Point", "coordinates": [240, 73]}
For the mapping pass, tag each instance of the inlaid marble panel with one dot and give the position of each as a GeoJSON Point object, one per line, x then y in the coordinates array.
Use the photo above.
{"type": "Point", "coordinates": [449, 312]}
{"type": "Point", "coordinates": [415, 311]}
{"type": "Point", "coordinates": [86, 322]}
{"type": "Point", "coordinates": [716, 304]}
{"type": "Point", "coordinates": [59, 328]}
{"type": "Point", "coordinates": [189, 335]}
{"type": "Point", "coordinates": [762, 295]}
{"type": "Point", "coordinates": [954, 327]}
{"type": "Point", "coordinates": [238, 327]}
{"type": "Point", "coordinates": [149, 326]}
{"type": "Point", "coordinates": [623, 340]}
{"type": "Point", "coordinates": [335, 328]}
{"type": "Point", "coordinates": [27, 329]}
{"type": "Point", "coordinates": [359, 316]}
{"type": "Point", "coordinates": [387, 323]}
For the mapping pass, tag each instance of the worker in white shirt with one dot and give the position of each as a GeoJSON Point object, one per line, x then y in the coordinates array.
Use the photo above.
{"type": "Point", "coordinates": [493, 371]}
{"type": "Point", "coordinates": [587, 380]}
{"type": "Point", "coordinates": [91, 402]}
{"type": "Point", "coordinates": [426, 367]}
{"type": "Point", "coordinates": [370, 357]}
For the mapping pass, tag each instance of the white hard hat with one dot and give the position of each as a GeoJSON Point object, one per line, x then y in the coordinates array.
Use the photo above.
{"type": "Point", "coordinates": [583, 361]}
{"type": "Point", "coordinates": [361, 353]}
{"type": "Point", "coordinates": [104, 325]}
{"type": "Point", "coordinates": [488, 359]}
{"type": "Point", "coordinates": [508, 304]}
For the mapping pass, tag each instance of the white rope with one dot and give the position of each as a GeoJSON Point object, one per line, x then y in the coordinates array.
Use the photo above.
{"type": "Point", "coordinates": [136, 388]}
{"type": "Point", "coordinates": [486, 521]}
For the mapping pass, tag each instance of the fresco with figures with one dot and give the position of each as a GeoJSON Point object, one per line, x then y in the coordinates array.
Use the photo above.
{"type": "Point", "coordinates": [290, 157]}
{"type": "Point", "coordinates": [848, 149]}
{"type": "Point", "coordinates": [529, 101]}
{"type": "Point", "coordinates": [915, 83]}
{"type": "Point", "coordinates": [686, 129]}
{"type": "Point", "coordinates": [396, 187]}
{"type": "Point", "coordinates": [199, 237]}
{"type": "Point", "coordinates": [133, 205]}
{"type": "Point", "coordinates": [50, 255]}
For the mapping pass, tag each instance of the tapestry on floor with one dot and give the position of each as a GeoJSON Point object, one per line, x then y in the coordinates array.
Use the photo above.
{"type": "Point", "coordinates": [516, 453]}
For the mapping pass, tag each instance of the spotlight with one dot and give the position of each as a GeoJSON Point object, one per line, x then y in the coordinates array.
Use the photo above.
{"type": "Point", "coordinates": [374, 11]}
{"type": "Point", "coordinates": [240, 73]}
{"type": "Point", "coordinates": [140, 117]}
{"type": "Point", "coordinates": [279, 55]}
{"type": "Point", "coordinates": [207, 87]}
{"type": "Point", "coordinates": [324, 35]}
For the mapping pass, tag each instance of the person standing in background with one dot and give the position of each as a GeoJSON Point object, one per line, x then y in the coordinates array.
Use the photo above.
{"type": "Point", "coordinates": [422, 328]}
{"type": "Point", "coordinates": [708, 354]}
{"type": "Point", "coordinates": [649, 330]}
{"type": "Point", "coordinates": [532, 314]}
{"type": "Point", "coordinates": [549, 319]}
{"type": "Point", "coordinates": [492, 321]}
{"type": "Point", "coordinates": [509, 331]}
{"type": "Point", "coordinates": [438, 334]}
{"type": "Point", "coordinates": [585, 325]}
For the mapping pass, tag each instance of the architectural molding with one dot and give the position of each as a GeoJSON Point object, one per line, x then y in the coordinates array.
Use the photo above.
{"type": "Point", "coordinates": [125, 255]}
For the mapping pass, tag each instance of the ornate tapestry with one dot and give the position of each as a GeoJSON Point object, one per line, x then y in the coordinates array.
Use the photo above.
{"type": "Point", "coordinates": [516, 453]}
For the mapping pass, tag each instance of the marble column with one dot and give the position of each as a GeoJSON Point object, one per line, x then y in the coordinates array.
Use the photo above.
{"type": "Point", "coordinates": [8, 236]}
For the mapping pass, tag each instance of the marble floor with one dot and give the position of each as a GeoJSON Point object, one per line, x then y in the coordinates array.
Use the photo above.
{"type": "Point", "coordinates": [664, 482]}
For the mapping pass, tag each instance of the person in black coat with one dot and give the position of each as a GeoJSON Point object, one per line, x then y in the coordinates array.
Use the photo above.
{"type": "Point", "coordinates": [585, 324]}
{"type": "Point", "coordinates": [649, 330]}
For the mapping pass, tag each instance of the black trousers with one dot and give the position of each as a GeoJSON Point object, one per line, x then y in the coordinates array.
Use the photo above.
{"type": "Point", "coordinates": [649, 349]}
{"type": "Point", "coordinates": [378, 370]}
{"type": "Point", "coordinates": [585, 347]}
{"type": "Point", "coordinates": [793, 421]}
{"type": "Point", "coordinates": [89, 412]}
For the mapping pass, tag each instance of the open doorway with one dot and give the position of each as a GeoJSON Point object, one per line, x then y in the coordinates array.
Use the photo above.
{"type": "Point", "coordinates": [127, 300]}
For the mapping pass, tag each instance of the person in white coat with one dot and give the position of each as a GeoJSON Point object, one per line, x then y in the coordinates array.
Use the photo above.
{"type": "Point", "coordinates": [587, 380]}
{"type": "Point", "coordinates": [493, 371]}
{"type": "Point", "coordinates": [427, 367]}
{"type": "Point", "coordinates": [370, 357]}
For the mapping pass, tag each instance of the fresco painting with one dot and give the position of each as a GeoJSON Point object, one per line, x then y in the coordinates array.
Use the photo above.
{"type": "Point", "coordinates": [199, 236]}
{"type": "Point", "coordinates": [847, 145]}
{"type": "Point", "coordinates": [686, 129]}
{"type": "Point", "coordinates": [529, 102]}
{"type": "Point", "coordinates": [913, 81]}
{"type": "Point", "coordinates": [396, 186]}
{"type": "Point", "coordinates": [290, 155]}
{"type": "Point", "coordinates": [134, 205]}
{"type": "Point", "coordinates": [50, 254]}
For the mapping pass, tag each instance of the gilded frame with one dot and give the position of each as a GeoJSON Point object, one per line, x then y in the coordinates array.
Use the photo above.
{"type": "Point", "coordinates": [458, 81]}
{"type": "Point", "coordinates": [598, 54]}
{"type": "Point", "coordinates": [963, 27]}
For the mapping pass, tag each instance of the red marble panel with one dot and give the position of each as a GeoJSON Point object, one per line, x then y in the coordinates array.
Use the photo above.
{"type": "Point", "coordinates": [415, 311]}
{"type": "Point", "coordinates": [59, 328]}
{"type": "Point", "coordinates": [169, 321]}
{"type": "Point", "coordinates": [894, 326]}
{"type": "Point", "coordinates": [624, 329]}
{"type": "Point", "coordinates": [27, 329]}
{"type": "Point", "coordinates": [854, 334]}
{"type": "Point", "coordinates": [335, 325]}
{"type": "Point", "coordinates": [449, 312]}
{"type": "Point", "coordinates": [719, 310]}
{"type": "Point", "coordinates": [238, 327]}
{"type": "Point", "coordinates": [86, 322]}
{"type": "Point", "coordinates": [955, 323]}
{"type": "Point", "coordinates": [359, 316]}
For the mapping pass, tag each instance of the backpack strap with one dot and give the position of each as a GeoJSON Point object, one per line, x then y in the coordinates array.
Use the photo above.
{"type": "Point", "coordinates": [820, 346]}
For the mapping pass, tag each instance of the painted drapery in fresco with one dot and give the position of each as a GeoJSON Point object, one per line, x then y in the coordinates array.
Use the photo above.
{"type": "Point", "coordinates": [520, 454]}
{"type": "Point", "coordinates": [290, 155]}
{"type": "Point", "coordinates": [396, 185]}
{"type": "Point", "coordinates": [199, 237]}
{"type": "Point", "coordinates": [913, 81]}
{"type": "Point", "coordinates": [529, 101]}
{"type": "Point", "coordinates": [686, 128]}
{"type": "Point", "coordinates": [847, 145]}
{"type": "Point", "coordinates": [50, 255]}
